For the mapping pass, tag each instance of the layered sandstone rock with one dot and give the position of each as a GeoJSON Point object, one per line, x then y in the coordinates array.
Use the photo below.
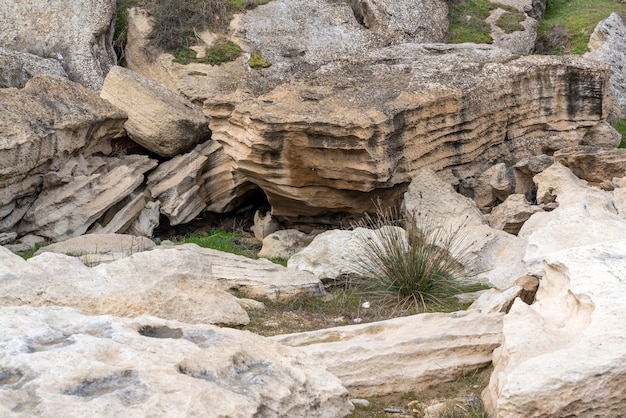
{"type": "Point", "coordinates": [336, 144]}
{"type": "Point", "coordinates": [158, 119]}
{"type": "Point", "coordinates": [563, 355]}
{"type": "Point", "coordinates": [403, 354]}
{"type": "Point", "coordinates": [594, 164]}
{"type": "Point", "coordinates": [77, 33]}
{"type": "Point", "coordinates": [80, 192]}
{"type": "Point", "coordinates": [45, 124]}
{"type": "Point", "coordinates": [59, 362]}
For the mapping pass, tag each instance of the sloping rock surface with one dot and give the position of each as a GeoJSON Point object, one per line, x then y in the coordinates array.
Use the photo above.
{"type": "Point", "coordinates": [77, 33]}
{"type": "Point", "coordinates": [179, 286]}
{"type": "Point", "coordinates": [58, 362]}
{"type": "Point", "coordinates": [16, 68]}
{"type": "Point", "coordinates": [403, 354]}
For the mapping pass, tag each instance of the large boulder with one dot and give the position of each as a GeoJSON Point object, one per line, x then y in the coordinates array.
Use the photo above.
{"type": "Point", "coordinates": [77, 33]}
{"type": "Point", "coordinates": [169, 284]}
{"type": "Point", "coordinates": [563, 355]}
{"type": "Point", "coordinates": [518, 41]}
{"type": "Point", "coordinates": [403, 354]}
{"type": "Point", "coordinates": [606, 44]}
{"type": "Point", "coordinates": [58, 362]}
{"type": "Point", "coordinates": [158, 119]}
{"type": "Point", "coordinates": [16, 68]}
{"type": "Point", "coordinates": [44, 124]}
{"type": "Point", "coordinates": [594, 164]}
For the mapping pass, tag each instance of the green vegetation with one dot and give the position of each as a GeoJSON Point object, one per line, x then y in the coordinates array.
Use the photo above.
{"type": "Point", "coordinates": [221, 51]}
{"type": "Point", "coordinates": [411, 259]}
{"type": "Point", "coordinates": [511, 22]}
{"type": "Point", "coordinates": [620, 126]}
{"type": "Point", "coordinates": [230, 242]}
{"type": "Point", "coordinates": [568, 24]}
{"type": "Point", "coordinates": [257, 61]}
{"type": "Point", "coordinates": [467, 22]}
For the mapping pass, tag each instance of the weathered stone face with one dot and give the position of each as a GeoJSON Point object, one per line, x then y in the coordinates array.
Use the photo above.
{"type": "Point", "coordinates": [75, 32]}
{"type": "Point", "coordinates": [43, 125]}
{"type": "Point", "coordinates": [333, 143]}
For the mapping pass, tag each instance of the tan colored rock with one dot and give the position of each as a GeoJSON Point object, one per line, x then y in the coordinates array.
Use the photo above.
{"type": "Point", "coordinates": [495, 300]}
{"type": "Point", "coordinates": [284, 243]}
{"type": "Point", "coordinates": [92, 249]}
{"type": "Point", "coordinates": [122, 215]}
{"type": "Point", "coordinates": [491, 255]}
{"type": "Point", "coordinates": [80, 192]}
{"type": "Point", "coordinates": [602, 135]}
{"type": "Point", "coordinates": [16, 68]}
{"type": "Point", "coordinates": [511, 214]}
{"type": "Point", "coordinates": [158, 119]}
{"type": "Point", "coordinates": [264, 225]}
{"type": "Point", "coordinates": [45, 123]}
{"type": "Point", "coordinates": [403, 354]}
{"type": "Point", "coordinates": [525, 170]}
{"type": "Point", "coordinates": [77, 33]}
{"type": "Point", "coordinates": [194, 81]}
{"type": "Point", "coordinates": [59, 362]}
{"type": "Point", "coordinates": [606, 44]}
{"type": "Point", "coordinates": [168, 284]}
{"type": "Point", "coordinates": [494, 185]}
{"type": "Point", "coordinates": [562, 355]}
{"type": "Point", "coordinates": [594, 164]}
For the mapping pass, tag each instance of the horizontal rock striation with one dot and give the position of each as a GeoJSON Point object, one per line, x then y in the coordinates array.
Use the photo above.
{"type": "Point", "coordinates": [335, 142]}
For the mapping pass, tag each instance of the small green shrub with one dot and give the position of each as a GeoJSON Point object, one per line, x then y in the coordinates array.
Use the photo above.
{"type": "Point", "coordinates": [222, 51]}
{"type": "Point", "coordinates": [185, 56]}
{"type": "Point", "coordinates": [511, 22]}
{"type": "Point", "coordinates": [257, 61]}
{"type": "Point", "coordinates": [228, 242]}
{"type": "Point", "coordinates": [411, 258]}
{"type": "Point", "coordinates": [620, 126]}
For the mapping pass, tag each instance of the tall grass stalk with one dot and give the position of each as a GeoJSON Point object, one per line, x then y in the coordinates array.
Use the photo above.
{"type": "Point", "coordinates": [410, 257]}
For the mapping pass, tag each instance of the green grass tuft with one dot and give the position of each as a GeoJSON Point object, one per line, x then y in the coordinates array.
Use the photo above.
{"type": "Point", "coordinates": [467, 22]}
{"type": "Point", "coordinates": [257, 61]}
{"type": "Point", "coordinates": [411, 258]}
{"type": "Point", "coordinates": [511, 22]}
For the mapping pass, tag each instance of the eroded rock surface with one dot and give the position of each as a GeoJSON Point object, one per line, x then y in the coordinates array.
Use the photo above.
{"type": "Point", "coordinates": [403, 354]}
{"type": "Point", "coordinates": [43, 125]}
{"type": "Point", "coordinates": [56, 361]}
{"type": "Point", "coordinates": [563, 355]}
{"type": "Point", "coordinates": [77, 33]}
{"type": "Point", "coordinates": [16, 68]}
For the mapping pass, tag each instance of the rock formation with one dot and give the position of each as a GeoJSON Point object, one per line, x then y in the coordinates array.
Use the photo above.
{"type": "Point", "coordinates": [44, 124]}
{"type": "Point", "coordinates": [403, 354]}
{"type": "Point", "coordinates": [563, 355]}
{"type": "Point", "coordinates": [77, 33]}
{"type": "Point", "coordinates": [57, 361]}
{"type": "Point", "coordinates": [16, 68]}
